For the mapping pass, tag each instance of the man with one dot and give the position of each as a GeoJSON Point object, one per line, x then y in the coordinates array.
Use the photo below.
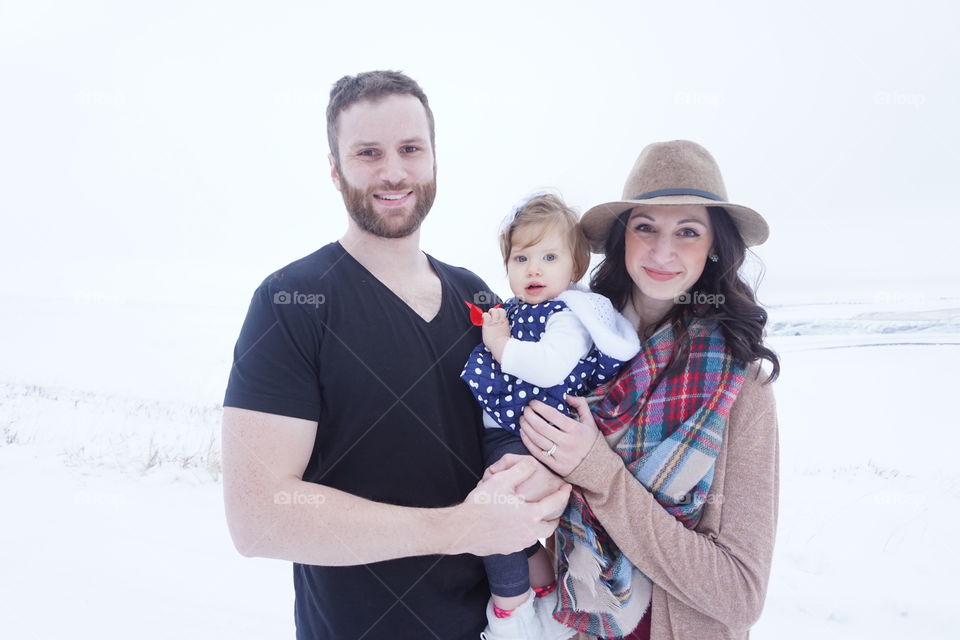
{"type": "Point", "coordinates": [350, 445]}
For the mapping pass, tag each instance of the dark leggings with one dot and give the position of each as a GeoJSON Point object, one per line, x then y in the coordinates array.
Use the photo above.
{"type": "Point", "coordinates": [508, 574]}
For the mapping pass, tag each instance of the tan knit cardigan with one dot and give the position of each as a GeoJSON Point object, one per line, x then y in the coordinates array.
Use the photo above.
{"type": "Point", "coordinates": [708, 582]}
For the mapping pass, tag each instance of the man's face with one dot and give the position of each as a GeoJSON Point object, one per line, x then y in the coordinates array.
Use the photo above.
{"type": "Point", "coordinates": [387, 173]}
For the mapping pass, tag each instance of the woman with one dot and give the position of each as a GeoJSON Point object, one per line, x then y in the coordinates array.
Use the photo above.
{"type": "Point", "coordinates": [670, 531]}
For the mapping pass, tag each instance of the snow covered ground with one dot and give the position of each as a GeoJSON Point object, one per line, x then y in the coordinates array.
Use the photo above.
{"type": "Point", "coordinates": [114, 527]}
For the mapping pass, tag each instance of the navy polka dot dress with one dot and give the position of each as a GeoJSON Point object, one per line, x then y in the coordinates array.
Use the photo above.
{"type": "Point", "coordinates": [504, 396]}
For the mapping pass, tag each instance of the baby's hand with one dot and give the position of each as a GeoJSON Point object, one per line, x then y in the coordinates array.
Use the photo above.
{"type": "Point", "coordinates": [496, 331]}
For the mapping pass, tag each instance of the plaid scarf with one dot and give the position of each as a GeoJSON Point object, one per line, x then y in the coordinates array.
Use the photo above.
{"type": "Point", "coordinates": [670, 437]}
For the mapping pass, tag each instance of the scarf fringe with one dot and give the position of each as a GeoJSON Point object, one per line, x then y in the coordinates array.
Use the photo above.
{"type": "Point", "coordinates": [584, 569]}
{"type": "Point", "coordinates": [616, 619]}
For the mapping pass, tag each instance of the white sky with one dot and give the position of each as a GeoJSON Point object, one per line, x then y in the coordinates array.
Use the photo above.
{"type": "Point", "coordinates": [178, 151]}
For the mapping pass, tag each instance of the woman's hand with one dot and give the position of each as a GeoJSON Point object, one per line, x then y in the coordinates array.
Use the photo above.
{"type": "Point", "coordinates": [545, 430]}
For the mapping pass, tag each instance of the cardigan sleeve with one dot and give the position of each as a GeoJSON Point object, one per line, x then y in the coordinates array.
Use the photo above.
{"type": "Point", "coordinates": [723, 575]}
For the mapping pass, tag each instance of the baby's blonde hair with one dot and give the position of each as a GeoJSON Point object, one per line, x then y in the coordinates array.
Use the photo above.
{"type": "Point", "coordinates": [549, 212]}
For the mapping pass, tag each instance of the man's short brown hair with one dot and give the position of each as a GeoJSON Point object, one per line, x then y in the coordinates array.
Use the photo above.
{"type": "Point", "coordinates": [372, 86]}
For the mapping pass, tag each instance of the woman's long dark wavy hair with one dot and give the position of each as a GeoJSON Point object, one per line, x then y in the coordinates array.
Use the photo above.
{"type": "Point", "coordinates": [741, 318]}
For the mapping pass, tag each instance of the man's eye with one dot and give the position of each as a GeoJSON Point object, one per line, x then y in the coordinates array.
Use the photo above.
{"type": "Point", "coordinates": [369, 153]}
{"type": "Point", "coordinates": [410, 149]}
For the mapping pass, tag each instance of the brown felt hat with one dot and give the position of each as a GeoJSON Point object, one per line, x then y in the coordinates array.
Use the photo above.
{"type": "Point", "coordinates": [673, 173]}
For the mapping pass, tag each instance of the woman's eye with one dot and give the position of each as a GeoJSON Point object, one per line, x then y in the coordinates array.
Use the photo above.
{"type": "Point", "coordinates": [689, 233]}
{"type": "Point", "coordinates": [643, 228]}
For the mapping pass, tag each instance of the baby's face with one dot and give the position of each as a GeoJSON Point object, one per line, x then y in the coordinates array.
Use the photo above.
{"type": "Point", "coordinates": [540, 271]}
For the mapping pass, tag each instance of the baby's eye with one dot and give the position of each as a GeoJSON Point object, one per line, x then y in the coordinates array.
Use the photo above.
{"type": "Point", "coordinates": [520, 258]}
{"type": "Point", "coordinates": [550, 257]}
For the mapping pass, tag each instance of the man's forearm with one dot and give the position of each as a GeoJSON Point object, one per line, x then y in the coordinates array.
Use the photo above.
{"type": "Point", "coordinates": [314, 524]}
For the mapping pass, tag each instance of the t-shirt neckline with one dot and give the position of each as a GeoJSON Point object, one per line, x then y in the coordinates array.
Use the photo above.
{"type": "Point", "coordinates": [433, 264]}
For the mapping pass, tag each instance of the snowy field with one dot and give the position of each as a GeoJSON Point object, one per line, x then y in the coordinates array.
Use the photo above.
{"type": "Point", "coordinates": [114, 526]}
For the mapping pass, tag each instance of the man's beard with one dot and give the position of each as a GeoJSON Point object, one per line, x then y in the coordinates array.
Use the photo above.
{"type": "Point", "coordinates": [359, 204]}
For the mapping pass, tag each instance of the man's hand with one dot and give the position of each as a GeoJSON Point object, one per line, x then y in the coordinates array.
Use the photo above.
{"type": "Point", "coordinates": [495, 518]}
{"type": "Point", "coordinates": [496, 331]}
{"type": "Point", "coordinates": [542, 483]}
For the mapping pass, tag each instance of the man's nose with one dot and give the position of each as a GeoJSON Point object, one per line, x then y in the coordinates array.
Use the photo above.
{"type": "Point", "coordinates": [393, 169]}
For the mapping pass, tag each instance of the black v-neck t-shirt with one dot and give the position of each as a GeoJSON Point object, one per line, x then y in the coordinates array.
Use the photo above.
{"type": "Point", "coordinates": [324, 340]}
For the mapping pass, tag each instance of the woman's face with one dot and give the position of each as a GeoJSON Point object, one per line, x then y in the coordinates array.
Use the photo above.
{"type": "Point", "coordinates": [666, 249]}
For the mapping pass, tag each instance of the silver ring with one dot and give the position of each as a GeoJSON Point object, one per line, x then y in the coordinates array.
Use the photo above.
{"type": "Point", "coordinates": [551, 451]}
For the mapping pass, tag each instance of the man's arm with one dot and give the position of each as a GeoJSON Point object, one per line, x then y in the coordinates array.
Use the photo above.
{"type": "Point", "coordinates": [272, 513]}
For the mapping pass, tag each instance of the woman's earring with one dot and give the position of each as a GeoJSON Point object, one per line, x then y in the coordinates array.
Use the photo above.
{"type": "Point", "coordinates": [714, 257]}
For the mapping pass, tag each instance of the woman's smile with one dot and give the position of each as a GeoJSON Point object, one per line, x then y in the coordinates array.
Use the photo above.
{"type": "Point", "coordinates": [660, 276]}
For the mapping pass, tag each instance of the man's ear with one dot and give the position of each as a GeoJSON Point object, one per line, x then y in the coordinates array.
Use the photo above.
{"type": "Point", "coordinates": [334, 174]}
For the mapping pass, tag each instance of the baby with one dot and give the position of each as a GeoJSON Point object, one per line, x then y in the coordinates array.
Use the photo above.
{"type": "Point", "coordinates": [552, 339]}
